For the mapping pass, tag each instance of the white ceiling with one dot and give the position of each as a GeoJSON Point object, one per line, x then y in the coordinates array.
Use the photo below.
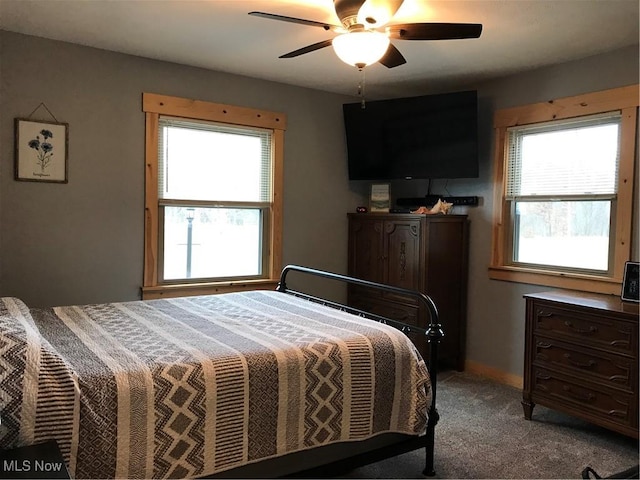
{"type": "Point", "coordinates": [220, 35]}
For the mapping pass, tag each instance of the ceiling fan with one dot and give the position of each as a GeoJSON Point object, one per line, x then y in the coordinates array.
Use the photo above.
{"type": "Point", "coordinates": [363, 38]}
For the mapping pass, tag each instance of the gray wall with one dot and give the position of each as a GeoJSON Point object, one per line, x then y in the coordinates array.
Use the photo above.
{"type": "Point", "coordinates": [83, 242]}
{"type": "Point", "coordinates": [495, 321]}
{"type": "Point", "coordinates": [496, 309]}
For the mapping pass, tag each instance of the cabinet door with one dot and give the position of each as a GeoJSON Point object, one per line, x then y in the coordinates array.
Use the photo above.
{"type": "Point", "coordinates": [446, 282]}
{"type": "Point", "coordinates": [402, 259]}
{"type": "Point", "coordinates": [365, 249]}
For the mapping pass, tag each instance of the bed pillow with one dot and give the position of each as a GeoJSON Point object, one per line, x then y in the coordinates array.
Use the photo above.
{"type": "Point", "coordinates": [18, 343]}
{"type": "Point", "coordinates": [16, 308]}
{"type": "Point", "coordinates": [32, 375]}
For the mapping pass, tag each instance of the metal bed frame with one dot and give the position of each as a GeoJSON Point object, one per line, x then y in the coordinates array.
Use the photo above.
{"type": "Point", "coordinates": [433, 332]}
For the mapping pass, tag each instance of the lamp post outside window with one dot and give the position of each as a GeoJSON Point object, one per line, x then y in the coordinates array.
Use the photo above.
{"type": "Point", "coordinates": [190, 214]}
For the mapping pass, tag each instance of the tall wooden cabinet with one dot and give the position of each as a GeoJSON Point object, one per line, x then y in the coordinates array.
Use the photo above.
{"type": "Point", "coordinates": [427, 253]}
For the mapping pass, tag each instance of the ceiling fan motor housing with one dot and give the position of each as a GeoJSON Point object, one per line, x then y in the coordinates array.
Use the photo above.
{"type": "Point", "coordinates": [367, 13]}
{"type": "Point", "coordinates": [347, 11]}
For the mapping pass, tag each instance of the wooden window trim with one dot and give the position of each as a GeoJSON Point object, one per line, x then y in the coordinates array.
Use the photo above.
{"type": "Point", "coordinates": [155, 105]}
{"type": "Point", "coordinates": [625, 100]}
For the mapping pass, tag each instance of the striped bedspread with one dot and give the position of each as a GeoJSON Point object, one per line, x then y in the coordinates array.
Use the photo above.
{"type": "Point", "coordinates": [194, 386]}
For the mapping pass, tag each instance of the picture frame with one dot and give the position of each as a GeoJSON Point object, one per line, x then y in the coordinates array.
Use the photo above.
{"type": "Point", "coordinates": [631, 282]}
{"type": "Point", "coordinates": [379, 200]}
{"type": "Point", "coordinates": [41, 151]}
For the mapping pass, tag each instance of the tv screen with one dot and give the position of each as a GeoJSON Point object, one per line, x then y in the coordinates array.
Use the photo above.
{"type": "Point", "coordinates": [432, 136]}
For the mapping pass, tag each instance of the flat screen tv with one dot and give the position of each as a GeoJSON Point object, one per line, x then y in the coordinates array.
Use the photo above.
{"type": "Point", "coordinates": [432, 136]}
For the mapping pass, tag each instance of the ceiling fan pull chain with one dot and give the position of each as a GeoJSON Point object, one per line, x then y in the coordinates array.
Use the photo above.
{"type": "Point", "coordinates": [361, 88]}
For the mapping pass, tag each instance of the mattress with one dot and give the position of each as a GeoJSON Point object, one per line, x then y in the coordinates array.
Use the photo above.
{"type": "Point", "coordinates": [195, 386]}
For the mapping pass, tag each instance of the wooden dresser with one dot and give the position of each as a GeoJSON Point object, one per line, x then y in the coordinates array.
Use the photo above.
{"type": "Point", "coordinates": [581, 358]}
{"type": "Point", "coordinates": [427, 253]}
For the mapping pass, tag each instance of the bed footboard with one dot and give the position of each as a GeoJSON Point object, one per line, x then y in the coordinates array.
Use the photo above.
{"type": "Point", "coordinates": [433, 332]}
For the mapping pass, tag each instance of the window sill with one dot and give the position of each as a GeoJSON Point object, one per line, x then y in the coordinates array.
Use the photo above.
{"type": "Point", "coordinates": [565, 280]}
{"type": "Point", "coordinates": [211, 288]}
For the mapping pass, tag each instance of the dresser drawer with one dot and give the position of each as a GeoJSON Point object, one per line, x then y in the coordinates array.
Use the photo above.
{"type": "Point", "coordinates": [617, 371]}
{"type": "Point", "coordinates": [396, 311]}
{"type": "Point", "coordinates": [579, 327]}
{"type": "Point", "coordinates": [610, 405]}
{"type": "Point", "coordinates": [361, 292]}
{"type": "Point", "coordinates": [402, 313]}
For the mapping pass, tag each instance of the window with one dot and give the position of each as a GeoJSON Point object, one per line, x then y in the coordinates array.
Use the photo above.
{"type": "Point", "coordinates": [227, 171]}
{"type": "Point", "coordinates": [564, 187]}
{"type": "Point", "coordinates": [213, 197]}
{"type": "Point", "coordinates": [561, 190]}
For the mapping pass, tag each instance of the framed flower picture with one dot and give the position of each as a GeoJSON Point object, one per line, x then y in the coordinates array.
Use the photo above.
{"type": "Point", "coordinates": [41, 151]}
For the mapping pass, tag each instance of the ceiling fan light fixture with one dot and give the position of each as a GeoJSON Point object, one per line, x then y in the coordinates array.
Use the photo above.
{"type": "Point", "coordinates": [361, 48]}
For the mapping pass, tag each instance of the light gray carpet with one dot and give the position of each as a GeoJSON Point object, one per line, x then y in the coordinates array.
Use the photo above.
{"type": "Point", "coordinates": [483, 434]}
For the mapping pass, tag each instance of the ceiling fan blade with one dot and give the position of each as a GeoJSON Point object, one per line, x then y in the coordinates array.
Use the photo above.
{"type": "Point", "coordinates": [392, 58]}
{"type": "Point", "coordinates": [307, 49]}
{"type": "Point", "coordinates": [300, 21]}
{"type": "Point", "coordinates": [434, 31]}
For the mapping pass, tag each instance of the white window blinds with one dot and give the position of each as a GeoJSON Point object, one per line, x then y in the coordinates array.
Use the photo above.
{"type": "Point", "coordinates": [565, 158]}
{"type": "Point", "coordinates": [207, 161]}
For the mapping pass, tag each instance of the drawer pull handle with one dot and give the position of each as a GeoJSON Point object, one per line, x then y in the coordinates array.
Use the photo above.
{"type": "Point", "coordinates": [619, 378]}
{"type": "Point", "coordinates": [578, 396]}
{"type": "Point", "coordinates": [617, 413]}
{"type": "Point", "coordinates": [592, 329]}
{"type": "Point", "coordinates": [544, 345]}
{"type": "Point", "coordinates": [541, 314]}
{"type": "Point", "coordinates": [589, 364]}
